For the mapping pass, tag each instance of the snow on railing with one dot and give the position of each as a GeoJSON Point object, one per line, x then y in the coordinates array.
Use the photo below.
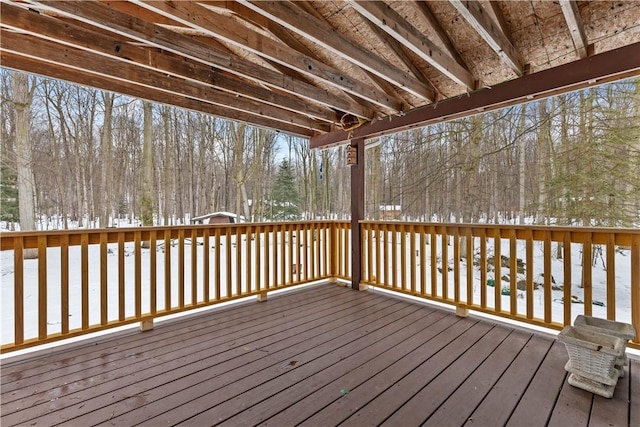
{"type": "Point", "coordinates": [539, 275]}
{"type": "Point", "coordinates": [84, 281]}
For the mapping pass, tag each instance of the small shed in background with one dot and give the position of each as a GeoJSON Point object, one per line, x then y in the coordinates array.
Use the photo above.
{"type": "Point", "coordinates": [390, 212]}
{"type": "Point", "coordinates": [217, 218]}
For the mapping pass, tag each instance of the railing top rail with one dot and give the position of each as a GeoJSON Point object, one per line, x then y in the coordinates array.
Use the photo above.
{"type": "Point", "coordinates": [162, 227]}
{"type": "Point", "coordinates": [557, 228]}
{"type": "Point", "coordinates": [53, 237]}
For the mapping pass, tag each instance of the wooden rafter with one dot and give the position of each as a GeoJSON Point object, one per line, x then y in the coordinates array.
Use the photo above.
{"type": "Point", "coordinates": [77, 59]}
{"type": "Point", "coordinates": [440, 33]}
{"type": "Point", "coordinates": [103, 43]}
{"type": "Point", "coordinates": [498, 17]}
{"type": "Point", "coordinates": [400, 51]}
{"type": "Point", "coordinates": [491, 33]}
{"type": "Point", "coordinates": [378, 81]}
{"type": "Point", "coordinates": [150, 34]}
{"type": "Point", "coordinates": [574, 21]}
{"type": "Point", "coordinates": [306, 25]}
{"type": "Point", "coordinates": [223, 27]}
{"type": "Point", "coordinates": [62, 72]}
{"type": "Point", "coordinates": [281, 33]}
{"type": "Point", "coordinates": [398, 28]}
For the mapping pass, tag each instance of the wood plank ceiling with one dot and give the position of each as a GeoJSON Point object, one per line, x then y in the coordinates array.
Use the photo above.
{"type": "Point", "coordinates": [306, 68]}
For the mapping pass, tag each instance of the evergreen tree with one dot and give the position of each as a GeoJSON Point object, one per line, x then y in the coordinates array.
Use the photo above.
{"type": "Point", "coordinates": [9, 209]}
{"type": "Point", "coordinates": [285, 199]}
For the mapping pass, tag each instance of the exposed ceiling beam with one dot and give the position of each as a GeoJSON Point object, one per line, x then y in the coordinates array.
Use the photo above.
{"type": "Point", "coordinates": [60, 72]}
{"type": "Point", "coordinates": [308, 26]}
{"type": "Point", "coordinates": [439, 32]}
{"type": "Point", "coordinates": [54, 53]}
{"type": "Point", "coordinates": [491, 33]}
{"type": "Point", "coordinates": [574, 21]}
{"type": "Point", "coordinates": [106, 44]}
{"type": "Point", "coordinates": [393, 24]}
{"type": "Point", "coordinates": [281, 33]}
{"type": "Point", "coordinates": [226, 29]}
{"type": "Point", "coordinates": [594, 70]}
{"type": "Point", "coordinates": [147, 33]}
{"type": "Point", "coordinates": [498, 17]}
{"type": "Point", "coordinates": [400, 52]}
{"type": "Point", "coordinates": [378, 81]}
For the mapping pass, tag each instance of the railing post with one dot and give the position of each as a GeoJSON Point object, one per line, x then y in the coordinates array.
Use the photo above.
{"type": "Point", "coordinates": [146, 325]}
{"type": "Point", "coordinates": [357, 212]}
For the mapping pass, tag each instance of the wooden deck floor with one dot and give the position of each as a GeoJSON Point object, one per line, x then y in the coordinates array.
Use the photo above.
{"type": "Point", "coordinates": [321, 356]}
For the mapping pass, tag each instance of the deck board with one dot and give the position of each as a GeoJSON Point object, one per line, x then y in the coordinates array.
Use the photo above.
{"type": "Point", "coordinates": [634, 392]}
{"type": "Point", "coordinates": [538, 401]}
{"type": "Point", "coordinates": [498, 404]}
{"type": "Point", "coordinates": [612, 412]}
{"type": "Point", "coordinates": [459, 406]}
{"type": "Point", "coordinates": [319, 356]}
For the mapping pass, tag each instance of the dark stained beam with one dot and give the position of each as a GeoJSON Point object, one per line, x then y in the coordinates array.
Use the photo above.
{"type": "Point", "coordinates": [491, 33]}
{"type": "Point", "coordinates": [594, 70]}
{"type": "Point", "coordinates": [50, 52]}
{"type": "Point", "coordinates": [357, 212]}
{"type": "Point", "coordinates": [60, 72]}
{"type": "Point", "coordinates": [110, 19]}
{"type": "Point", "coordinates": [574, 21]}
{"type": "Point", "coordinates": [226, 29]}
{"type": "Point", "coordinates": [107, 44]}
{"type": "Point", "coordinates": [397, 27]}
{"type": "Point", "coordinates": [304, 24]}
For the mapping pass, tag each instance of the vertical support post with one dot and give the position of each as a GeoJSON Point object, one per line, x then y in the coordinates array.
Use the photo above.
{"type": "Point", "coordinates": [357, 213]}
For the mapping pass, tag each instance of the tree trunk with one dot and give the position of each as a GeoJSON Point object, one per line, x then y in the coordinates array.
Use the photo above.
{"type": "Point", "coordinates": [107, 160]}
{"type": "Point", "coordinates": [147, 201]}
{"type": "Point", "coordinates": [22, 98]}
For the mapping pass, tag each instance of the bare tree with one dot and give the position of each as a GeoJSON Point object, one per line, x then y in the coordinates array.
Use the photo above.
{"type": "Point", "coordinates": [23, 88]}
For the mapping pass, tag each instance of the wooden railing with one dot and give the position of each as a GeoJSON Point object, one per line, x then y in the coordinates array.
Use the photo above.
{"type": "Point", "coordinates": [539, 275]}
{"type": "Point", "coordinates": [84, 281]}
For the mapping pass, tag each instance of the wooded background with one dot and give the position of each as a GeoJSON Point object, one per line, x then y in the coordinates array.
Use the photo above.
{"type": "Point", "coordinates": [90, 157]}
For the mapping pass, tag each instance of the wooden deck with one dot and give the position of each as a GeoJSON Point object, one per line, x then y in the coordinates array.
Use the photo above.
{"type": "Point", "coordinates": [321, 356]}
